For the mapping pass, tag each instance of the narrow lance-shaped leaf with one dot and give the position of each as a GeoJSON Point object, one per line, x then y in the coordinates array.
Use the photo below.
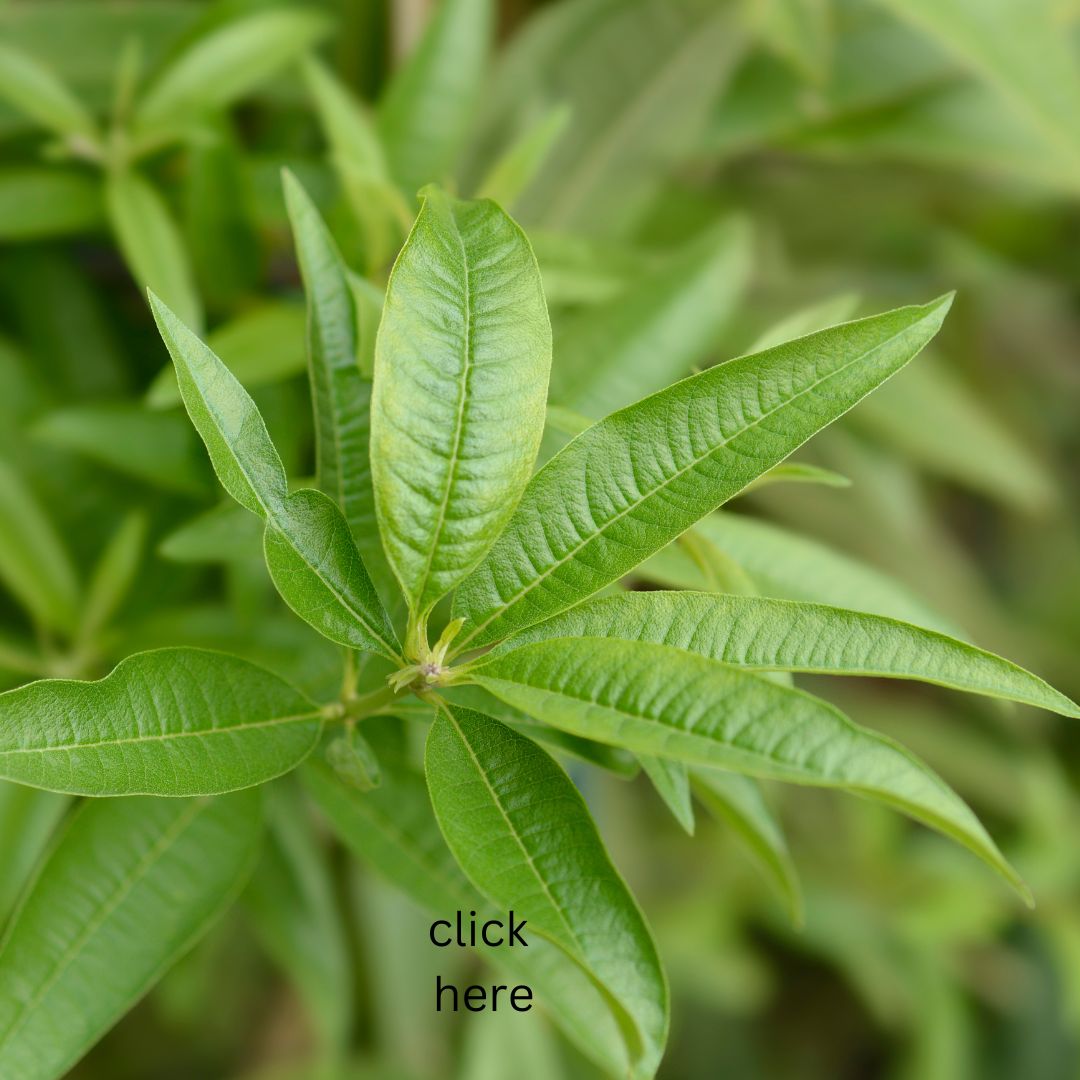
{"type": "Point", "coordinates": [393, 829]}
{"type": "Point", "coordinates": [225, 63]}
{"type": "Point", "coordinates": [114, 574]}
{"type": "Point", "coordinates": [738, 800]}
{"type": "Point", "coordinates": [36, 91]}
{"type": "Point", "coordinates": [310, 551]}
{"type": "Point", "coordinates": [461, 371]}
{"type": "Point", "coordinates": [785, 635]}
{"type": "Point", "coordinates": [167, 722]}
{"type": "Point", "coordinates": [671, 779]}
{"type": "Point", "coordinates": [151, 242]}
{"type": "Point", "coordinates": [633, 482]}
{"type": "Point", "coordinates": [655, 699]}
{"type": "Point", "coordinates": [34, 565]}
{"type": "Point", "coordinates": [520, 162]}
{"type": "Point", "coordinates": [129, 887]}
{"type": "Point", "coordinates": [341, 397]}
{"type": "Point", "coordinates": [428, 106]}
{"type": "Point", "coordinates": [523, 835]}
{"type": "Point", "coordinates": [39, 202]}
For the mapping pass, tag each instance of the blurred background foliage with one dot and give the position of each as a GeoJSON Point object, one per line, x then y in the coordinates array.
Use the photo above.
{"type": "Point", "coordinates": [698, 177]}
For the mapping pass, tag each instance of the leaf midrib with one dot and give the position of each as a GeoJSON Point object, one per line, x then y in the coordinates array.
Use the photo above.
{"type": "Point", "coordinates": [693, 464]}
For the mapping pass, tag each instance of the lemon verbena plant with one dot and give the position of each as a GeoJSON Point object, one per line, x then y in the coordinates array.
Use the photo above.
{"type": "Point", "coordinates": [479, 595]}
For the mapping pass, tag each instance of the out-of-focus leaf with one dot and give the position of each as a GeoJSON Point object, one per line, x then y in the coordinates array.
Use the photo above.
{"type": "Point", "coordinates": [36, 91]}
{"type": "Point", "coordinates": [522, 833]}
{"type": "Point", "coordinates": [519, 164]}
{"type": "Point", "coordinates": [789, 566]}
{"type": "Point", "coordinates": [738, 800]}
{"type": "Point", "coordinates": [671, 459]}
{"type": "Point", "coordinates": [226, 63]}
{"type": "Point", "coordinates": [168, 722]}
{"type": "Point", "coordinates": [27, 820]}
{"type": "Point", "coordinates": [294, 911]}
{"type": "Point", "coordinates": [159, 448]}
{"type": "Point", "coordinates": [800, 32]}
{"type": "Point", "coordinates": [461, 373]}
{"type": "Point", "coordinates": [426, 111]}
{"type": "Point", "coordinates": [360, 162]}
{"type": "Point", "coordinates": [584, 270]}
{"type": "Point", "coordinates": [671, 779]}
{"type": "Point", "coordinates": [393, 828]}
{"type": "Point", "coordinates": [807, 320]}
{"type": "Point", "coordinates": [957, 437]}
{"type": "Point", "coordinates": [263, 345]}
{"type": "Point", "coordinates": [129, 887]}
{"type": "Point", "coordinates": [783, 635]}
{"type": "Point", "coordinates": [1019, 48]}
{"type": "Point", "coordinates": [798, 472]}
{"type": "Point", "coordinates": [114, 574]}
{"type": "Point", "coordinates": [657, 330]}
{"type": "Point", "coordinates": [151, 242]}
{"type": "Point", "coordinates": [354, 760]}
{"type": "Point", "coordinates": [654, 699]}
{"type": "Point", "coordinates": [640, 78]}
{"type": "Point", "coordinates": [225, 534]}
{"type": "Point", "coordinates": [37, 202]}
{"type": "Point", "coordinates": [34, 565]}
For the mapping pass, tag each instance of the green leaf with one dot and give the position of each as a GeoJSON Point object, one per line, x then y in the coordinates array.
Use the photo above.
{"type": "Point", "coordinates": [523, 159]}
{"type": "Point", "coordinates": [789, 566]}
{"type": "Point", "coordinates": [341, 397]}
{"type": "Point", "coordinates": [807, 320]}
{"type": "Point", "coordinates": [1020, 49]}
{"type": "Point", "coordinates": [168, 722]}
{"type": "Point", "coordinates": [151, 243]}
{"type": "Point", "coordinates": [393, 828]}
{"type": "Point", "coordinates": [225, 64]}
{"type": "Point", "coordinates": [320, 574]}
{"type": "Point", "coordinates": [310, 550]}
{"type": "Point", "coordinates": [461, 372]}
{"type": "Point", "coordinates": [293, 908]}
{"type": "Point", "coordinates": [671, 780]}
{"type": "Point", "coordinates": [261, 346]}
{"type": "Point", "coordinates": [800, 472]}
{"type": "Point", "coordinates": [782, 635]}
{"type": "Point", "coordinates": [523, 835]}
{"type": "Point", "coordinates": [657, 330]}
{"type": "Point", "coordinates": [34, 90]}
{"type": "Point", "coordinates": [633, 482]}
{"type": "Point", "coordinates": [157, 448]}
{"type": "Point", "coordinates": [37, 203]}
{"type": "Point", "coordinates": [354, 760]}
{"type": "Point", "coordinates": [34, 565]}
{"type": "Point", "coordinates": [656, 699]}
{"type": "Point", "coordinates": [28, 818]}
{"type": "Point", "coordinates": [800, 32]}
{"type": "Point", "coordinates": [738, 801]}
{"type": "Point", "coordinates": [128, 888]}
{"type": "Point", "coordinates": [428, 107]}
{"type": "Point", "coordinates": [114, 574]}
{"type": "Point", "coordinates": [225, 534]}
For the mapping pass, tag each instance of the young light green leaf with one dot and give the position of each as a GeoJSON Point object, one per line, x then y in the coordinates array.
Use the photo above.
{"type": "Point", "coordinates": [394, 830]}
{"type": "Point", "coordinates": [293, 908]}
{"type": "Point", "coordinates": [340, 395]}
{"type": "Point", "coordinates": [429, 104]}
{"type": "Point", "coordinates": [35, 91]}
{"type": "Point", "coordinates": [793, 567]}
{"type": "Point", "coordinates": [784, 635]}
{"type": "Point", "coordinates": [263, 345]}
{"type": "Point", "coordinates": [151, 242]}
{"type": "Point", "coordinates": [522, 833]}
{"type": "Point", "coordinates": [633, 482]}
{"type": "Point", "coordinates": [168, 722]}
{"type": "Point", "coordinates": [225, 64]}
{"type": "Point", "coordinates": [37, 203]}
{"type": "Point", "coordinates": [800, 472]}
{"type": "Point", "coordinates": [320, 574]}
{"type": "Point", "coordinates": [34, 565]}
{"type": "Point", "coordinates": [461, 372]}
{"type": "Point", "coordinates": [738, 801]}
{"type": "Point", "coordinates": [672, 782]}
{"type": "Point", "coordinates": [656, 699]}
{"type": "Point", "coordinates": [156, 448]}
{"type": "Point", "coordinates": [521, 161]}
{"type": "Point", "coordinates": [114, 574]}
{"type": "Point", "coordinates": [128, 888]}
